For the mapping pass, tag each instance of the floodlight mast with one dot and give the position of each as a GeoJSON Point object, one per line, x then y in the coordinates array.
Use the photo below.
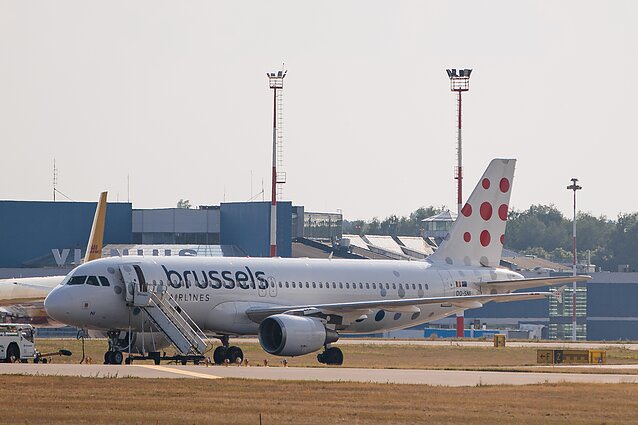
{"type": "Point", "coordinates": [574, 186]}
{"type": "Point", "coordinates": [459, 82]}
{"type": "Point", "coordinates": [276, 83]}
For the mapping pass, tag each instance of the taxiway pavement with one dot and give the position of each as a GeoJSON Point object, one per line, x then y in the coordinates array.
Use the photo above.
{"type": "Point", "coordinates": [396, 376]}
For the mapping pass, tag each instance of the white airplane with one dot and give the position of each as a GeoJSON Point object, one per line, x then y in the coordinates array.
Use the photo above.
{"type": "Point", "coordinates": [22, 298]}
{"type": "Point", "coordinates": [295, 306]}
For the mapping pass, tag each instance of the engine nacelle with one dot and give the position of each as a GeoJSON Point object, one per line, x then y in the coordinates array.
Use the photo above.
{"type": "Point", "coordinates": [288, 335]}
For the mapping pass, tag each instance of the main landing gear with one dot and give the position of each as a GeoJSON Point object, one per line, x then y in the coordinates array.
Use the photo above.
{"type": "Point", "coordinates": [226, 352]}
{"type": "Point", "coordinates": [331, 356]}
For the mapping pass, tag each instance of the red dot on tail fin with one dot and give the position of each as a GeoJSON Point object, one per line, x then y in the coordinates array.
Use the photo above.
{"type": "Point", "coordinates": [486, 211]}
{"type": "Point", "coordinates": [502, 212]}
{"type": "Point", "coordinates": [505, 185]}
{"type": "Point", "coordinates": [485, 238]}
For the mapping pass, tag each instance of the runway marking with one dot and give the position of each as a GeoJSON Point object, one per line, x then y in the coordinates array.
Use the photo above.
{"type": "Point", "coordinates": [181, 372]}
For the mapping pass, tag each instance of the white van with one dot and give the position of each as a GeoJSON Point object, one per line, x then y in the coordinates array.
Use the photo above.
{"type": "Point", "coordinates": [16, 342]}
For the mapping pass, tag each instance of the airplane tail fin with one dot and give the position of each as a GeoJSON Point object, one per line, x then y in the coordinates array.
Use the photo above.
{"type": "Point", "coordinates": [96, 240]}
{"type": "Point", "coordinates": [476, 238]}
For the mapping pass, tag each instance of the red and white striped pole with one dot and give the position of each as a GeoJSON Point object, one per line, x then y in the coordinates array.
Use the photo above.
{"type": "Point", "coordinates": [459, 174]}
{"type": "Point", "coordinates": [459, 82]}
{"type": "Point", "coordinates": [273, 202]}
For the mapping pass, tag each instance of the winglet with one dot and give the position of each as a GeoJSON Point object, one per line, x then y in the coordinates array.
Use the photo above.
{"type": "Point", "coordinates": [96, 240]}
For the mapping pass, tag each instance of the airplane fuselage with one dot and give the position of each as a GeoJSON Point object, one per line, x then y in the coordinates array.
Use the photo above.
{"type": "Point", "coordinates": [216, 292]}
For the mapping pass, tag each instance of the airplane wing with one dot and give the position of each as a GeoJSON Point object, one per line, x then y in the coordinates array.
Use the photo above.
{"type": "Point", "coordinates": [27, 290]}
{"type": "Point", "coordinates": [257, 314]}
{"type": "Point", "coordinates": [503, 286]}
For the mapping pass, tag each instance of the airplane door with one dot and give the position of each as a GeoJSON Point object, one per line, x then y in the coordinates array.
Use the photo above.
{"type": "Point", "coordinates": [142, 296]}
{"type": "Point", "coordinates": [135, 284]}
{"type": "Point", "coordinates": [272, 286]}
{"type": "Point", "coordinates": [448, 283]}
{"type": "Point", "coordinates": [130, 282]}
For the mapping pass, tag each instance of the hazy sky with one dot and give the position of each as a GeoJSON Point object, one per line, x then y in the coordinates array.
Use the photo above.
{"type": "Point", "coordinates": [174, 94]}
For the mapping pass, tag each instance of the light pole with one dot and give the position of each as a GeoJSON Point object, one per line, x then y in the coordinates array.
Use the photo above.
{"type": "Point", "coordinates": [276, 83]}
{"type": "Point", "coordinates": [574, 187]}
{"type": "Point", "coordinates": [459, 83]}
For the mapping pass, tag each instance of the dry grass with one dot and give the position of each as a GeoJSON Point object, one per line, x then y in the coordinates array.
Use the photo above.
{"type": "Point", "coordinates": [57, 400]}
{"type": "Point", "coordinates": [372, 356]}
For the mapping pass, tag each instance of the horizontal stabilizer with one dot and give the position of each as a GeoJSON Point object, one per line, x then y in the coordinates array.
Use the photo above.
{"type": "Point", "coordinates": [503, 286]}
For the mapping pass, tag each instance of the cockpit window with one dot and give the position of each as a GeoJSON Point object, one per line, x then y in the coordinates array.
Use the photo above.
{"type": "Point", "coordinates": [77, 280]}
{"type": "Point", "coordinates": [105, 281]}
{"type": "Point", "coordinates": [92, 280]}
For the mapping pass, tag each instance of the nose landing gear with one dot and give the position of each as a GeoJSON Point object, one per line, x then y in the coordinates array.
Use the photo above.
{"type": "Point", "coordinates": [117, 345]}
{"type": "Point", "coordinates": [113, 357]}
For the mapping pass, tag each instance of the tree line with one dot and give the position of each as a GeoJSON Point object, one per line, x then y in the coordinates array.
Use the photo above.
{"type": "Point", "coordinates": [540, 230]}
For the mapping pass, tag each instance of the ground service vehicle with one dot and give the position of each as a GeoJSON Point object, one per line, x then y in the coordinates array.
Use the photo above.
{"type": "Point", "coordinates": [16, 342]}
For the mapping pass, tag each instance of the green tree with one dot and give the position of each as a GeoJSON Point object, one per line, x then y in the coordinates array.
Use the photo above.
{"type": "Point", "coordinates": [624, 241]}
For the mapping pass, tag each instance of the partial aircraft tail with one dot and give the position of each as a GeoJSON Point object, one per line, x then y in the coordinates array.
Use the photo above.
{"type": "Point", "coordinates": [96, 240]}
{"type": "Point", "coordinates": [476, 238]}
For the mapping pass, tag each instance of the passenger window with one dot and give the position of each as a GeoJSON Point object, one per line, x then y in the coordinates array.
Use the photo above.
{"type": "Point", "coordinates": [347, 285]}
{"type": "Point", "coordinates": [92, 280]}
{"type": "Point", "coordinates": [413, 287]}
{"type": "Point", "coordinates": [77, 280]}
{"type": "Point", "coordinates": [334, 285]}
{"type": "Point", "coordinates": [367, 285]}
{"type": "Point", "coordinates": [340, 285]}
{"type": "Point", "coordinates": [286, 284]}
{"type": "Point", "coordinates": [320, 285]}
{"type": "Point", "coordinates": [314, 285]}
{"type": "Point", "coordinates": [387, 286]}
{"type": "Point", "coordinates": [280, 284]}
{"type": "Point", "coordinates": [294, 285]}
{"type": "Point", "coordinates": [374, 286]}
{"type": "Point", "coordinates": [307, 285]}
{"type": "Point", "coordinates": [394, 286]}
{"type": "Point", "coordinates": [420, 286]}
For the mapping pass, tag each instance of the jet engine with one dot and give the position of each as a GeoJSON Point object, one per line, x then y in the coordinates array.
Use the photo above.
{"type": "Point", "coordinates": [288, 335]}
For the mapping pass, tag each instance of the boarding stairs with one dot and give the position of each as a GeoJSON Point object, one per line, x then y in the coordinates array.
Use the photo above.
{"type": "Point", "coordinates": [165, 312]}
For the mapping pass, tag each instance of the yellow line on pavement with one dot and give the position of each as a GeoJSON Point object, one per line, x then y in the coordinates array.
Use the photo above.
{"type": "Point", "coordinates": [180, 372]}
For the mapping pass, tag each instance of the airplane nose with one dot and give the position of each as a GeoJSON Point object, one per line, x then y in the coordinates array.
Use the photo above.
{"type": "Point", "coordinates": [57, 306]}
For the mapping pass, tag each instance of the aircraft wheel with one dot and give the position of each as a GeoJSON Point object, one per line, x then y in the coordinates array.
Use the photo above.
{"type": "Point", "coordinates": [333, 356]}
{"type": "Point", "coordinates": [219, 355]}
{"type": "Point", "coordinates": [234, 355]}
{"type": "Point", "coordinates": [107, 357]}
{"type": "Point", "coordinates": [117, 357]}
